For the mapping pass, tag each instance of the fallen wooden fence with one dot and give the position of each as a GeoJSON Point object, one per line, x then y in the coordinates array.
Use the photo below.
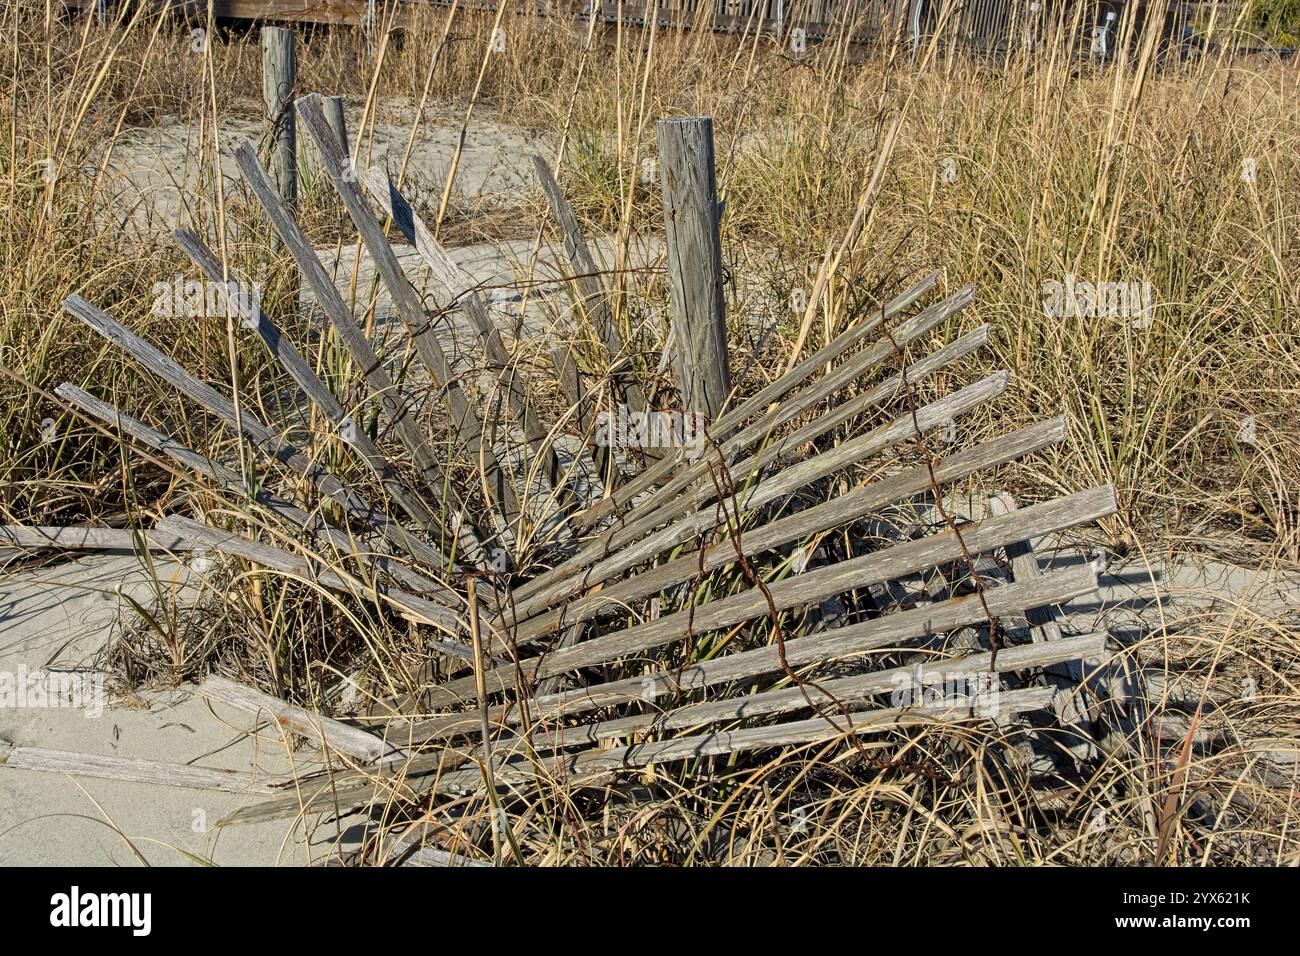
{"type": "Point", "coordinates": [558, 669]}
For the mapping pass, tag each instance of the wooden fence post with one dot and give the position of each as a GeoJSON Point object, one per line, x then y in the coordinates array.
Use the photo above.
{"type": "Point", "coordinates": [336, 119]}
{"type": "Point", "coordinates": [691, 224]}
{"type": "Point", "coordinates": [279, 75]}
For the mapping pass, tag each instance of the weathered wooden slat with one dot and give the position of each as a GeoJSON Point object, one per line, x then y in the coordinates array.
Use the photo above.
{"type": "Point", "coordinates": [670, 501]}
{"type": "Point", "coordinates": [758, 403]}
{"type": "Point", "coordinates": [345, 545]}
{"type": "Point", "coordinates": [809, 587]}
{"type": "Point", "coordinates": [347, 789]}
{"type": "Point", "coordinates": [323, 732]}
{"type": "Point", "coordinates": [837, 511]}
{"type": "Point", "coordinates": [344, 792]}
{"type": "Point", "coordinates": [600, 761]}
{"type": "Point", "coordinates": [626, 551]}
{"type": "Point", "coordinates": [891, 630]}
{"type": "Point", "coordinates": [153, 772]}
{"type": "Point", "coordinates": [90, 539]}
{"type": "Point", "coordinates": [592, 293]}
{"type": "Point", "coordinates": [284, 352]}
{"type": "Point", "coordinates": [458, 287]}
{"type": "Point", "coordinates": [418, 608]}
{"type": "Point", "coordinates": [264, 439]}
{"type": "Point", "coordinates": [397, 407]}
{"type": "Point", "coordinates": [858, 687]}
{"type": "Point", "coordinates": [1071, 705]}
{"type": "Point", "coordinates": [465, 420]}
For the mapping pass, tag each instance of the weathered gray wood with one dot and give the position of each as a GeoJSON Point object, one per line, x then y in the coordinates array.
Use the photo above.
{"type": "Point", "coordinates": [91, 539]}
{"type": "Point", "coordinates": [593, 296]}
{"type": "Point", "coordinates": [861, 686]}
{"type": "Point", "coordinates": [626, 551]}
{"type": "Point", "coordinates": [829, 514]}
{"type": "Point", "coordinates": [600, 761]}
{"type": "Point", "coordinates": [279, 82]}
{"type": "Point", "coordinates": [888, 631]}
{"type": "Point", "coordinates": [349, 546]}
{"type": "Point", "coordinates": [809, 587]}
{"type": "Point", "coordinates": [418, 608]}
{"type": "Point", "coordinates": [668, 501]}
{"type": "Point", "coordinates": [398, 409]}
{"type": "Point", "coordinates": [323, 732]}
{"type": "Point", "coordinates": [152, 772]}
{"type": "Point", "coordinates": [350, 431]}
{"type": "Point", "coordinates": [465, 420]}
{"type": "Point", "coordinates": [335, 116]}
{"type": "Point", "coordinates": [263, 438]}
{"type": "Point", "coordinates": [346, 790]}
{"type": "Point", "coordinates": [759, 402]}
{"type": "Point", "coordinates": [1071, 705]}
{"type": "Point", "coordinates": [694, 245]}
{"type": "Point", "coordinates": [349, 791]}
{"type": "Point", "coordinates": [457, 286]}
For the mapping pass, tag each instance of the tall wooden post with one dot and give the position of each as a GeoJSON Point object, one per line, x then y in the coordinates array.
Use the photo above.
{"type": "Point", "coordinates": [279, 75]}
{"type": "Point", "coordinates": [691, 223]}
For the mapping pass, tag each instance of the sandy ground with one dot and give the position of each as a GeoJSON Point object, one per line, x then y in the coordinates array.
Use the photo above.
{"type": "Point", "coordinates": [154, 173]}
{"type": "Point", "coordinates": [58, 618]}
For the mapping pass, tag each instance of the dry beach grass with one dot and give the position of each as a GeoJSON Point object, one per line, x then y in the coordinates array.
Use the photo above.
{"type": "Point", "coordinates": [845, 176]}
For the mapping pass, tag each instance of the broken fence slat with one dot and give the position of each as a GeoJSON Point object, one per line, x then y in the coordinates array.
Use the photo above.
{"type": "Point", "coordinates": [227, 477]}
{"type": "Point", "coordinates": [697, 475]}
{"type": "Point", "coordinates": [758, 403]}
{"type": "Point", "coordinates": [586, 276]}
{"type": "Point", "coordinates": [458, 286]}
{"type": "Point", "coordinates": [418, 607]}
{"type": "Point", "coordinates": [350, 432]}
{"type": "Point", "coordinates": [264, 439]}
{"type": "Point", "coordinates": [324, 731]}
{"type": "Point", "coordinates": [598, 761]}
{"type": "Point", "coordinates": [837, 511]}
{"type": "Point", "coordinates": [465, 420]}
{"type": "Point", "coordinates": [139, 771]}
{"type": "Point", "coordinates": [397, 406]}
{"type": "Point", "coordinates": [858, 687]}
{"type": "Point", "coordinates": [91, 539]}
{"type": "Point", "coordinates": [1071, 705]}
{"type": "Point", "coordinates": [625, 551]}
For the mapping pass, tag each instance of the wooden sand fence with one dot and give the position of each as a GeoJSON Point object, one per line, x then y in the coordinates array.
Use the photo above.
{"type": "Point", "coordinates": [569, 665]}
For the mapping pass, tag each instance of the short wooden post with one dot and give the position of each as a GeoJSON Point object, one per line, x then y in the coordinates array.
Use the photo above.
{"type": "Point", "coordinates": [279, 75]}
{"type": "Point", "coordinates": [691, 224]}
{"type": "Point", "coordinates": [332, 108]}
{"type": "Point", "coordinates": [337, 120]}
